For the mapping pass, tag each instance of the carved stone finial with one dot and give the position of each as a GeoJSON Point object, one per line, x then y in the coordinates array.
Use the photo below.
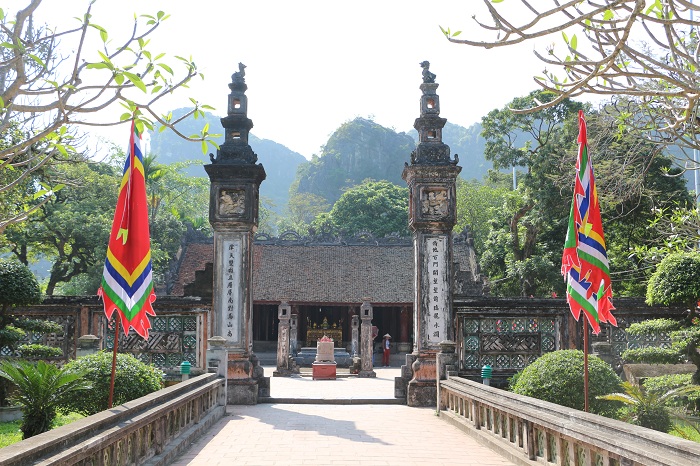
{"type": "Point", "coordinates": [428, 77]}
{"type": "Point", "coordinates": [240, 74]}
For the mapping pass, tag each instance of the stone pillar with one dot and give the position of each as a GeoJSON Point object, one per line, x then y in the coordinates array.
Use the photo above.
{"type": "Point", "coordinates": [293, 337]}
{"type": "Point", "coordinates": [284, 313]}
{"type": "Point", "coordinates": [404, 344]}
{"type": "Point", "coordinates": [355, 323]}
{"type": "Point", "coordinates": [446, 366]}
{"type": "Point", "coordinates": [87, 344]}
{"type": "Point", "coordinates": [233, 213]}
{"type": "Point", "coordinates": [366, 315]}
{"type": "Point", "coordinates": [431, 180]}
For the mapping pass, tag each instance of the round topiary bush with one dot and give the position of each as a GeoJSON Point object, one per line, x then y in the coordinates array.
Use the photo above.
{"type": "Point", "coordinates": [133, 379]}
{"type": "Point", "coordinates": [557, 377]}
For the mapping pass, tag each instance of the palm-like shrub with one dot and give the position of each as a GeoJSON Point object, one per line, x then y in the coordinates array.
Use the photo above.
{"type": "Point", "coordinates": [133, 379]}
{"type": "Point", "coordinates": [557, 377]}
{"type": "Point", "coordinates": [40, 389]}
{"type": "Point", "coordinates": [648, 409]}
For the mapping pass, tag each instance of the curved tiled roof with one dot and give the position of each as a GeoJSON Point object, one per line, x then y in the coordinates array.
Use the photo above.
{"type": "Point", "coordinates": [335, 273]}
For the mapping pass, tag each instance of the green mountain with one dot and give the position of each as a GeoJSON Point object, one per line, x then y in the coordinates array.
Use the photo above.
{"type": "Point", "coordinates": [362, 149]}
{"type": "Point", "coordinates": [280, 162]}
{"type": "Point", "coordinates": [358, 150]}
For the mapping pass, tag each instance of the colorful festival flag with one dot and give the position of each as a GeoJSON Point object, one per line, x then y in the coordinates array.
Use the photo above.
{"type": "Point", "coordinates": [127, 280]}
{"type": "Point", "coordinates": [584, 263]}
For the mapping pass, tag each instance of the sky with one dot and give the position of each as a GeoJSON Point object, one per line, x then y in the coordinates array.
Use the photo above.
{"type": "Point", "coordinates": [315, 64]}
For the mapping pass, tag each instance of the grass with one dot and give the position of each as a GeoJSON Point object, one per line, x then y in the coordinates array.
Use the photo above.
{"type": "Point", "coordinates": [10, 433]}
{"type": "Point", "coordinates": [686, 431]}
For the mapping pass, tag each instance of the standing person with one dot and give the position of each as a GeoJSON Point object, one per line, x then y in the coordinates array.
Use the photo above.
{"type": "Point", "coordinates": [386, 346]}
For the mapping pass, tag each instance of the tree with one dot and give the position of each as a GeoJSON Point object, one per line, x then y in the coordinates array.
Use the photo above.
{"type": "Point", "coordinates": [303, 209]}
{"type": "Point", "coordinates": [45, 96]}
{"type": "Point", "coordinates": [72, 229]}
{"type": "Point", "coordinates": [379, 207]}
{"type": "Point", "coordinates": [634, 179]}
{"type": "Point", "coordinates": [642, 53]}
{"type": "Point", "coordinates": [675, 281]}
{"type": "Point", "coordinates": [539, 141]}
{"type": "Point", "coordinates": [41, 389]}
{"type": "Point", "coordinates": [477, 203]}
{"type": "Point", "coordinates": [19, 287]}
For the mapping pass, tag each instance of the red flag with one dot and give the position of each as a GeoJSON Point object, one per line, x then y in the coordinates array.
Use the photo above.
{"type": "Point", "coordinates": [585, 263]}
{"type": "Point", "coordinates": [127, 279]}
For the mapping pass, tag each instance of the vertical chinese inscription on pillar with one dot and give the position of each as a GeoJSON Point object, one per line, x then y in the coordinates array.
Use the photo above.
{"type": "Point", "coordinates": [231, 303]}
{"type": "Point", "coordinates": [437, 289]}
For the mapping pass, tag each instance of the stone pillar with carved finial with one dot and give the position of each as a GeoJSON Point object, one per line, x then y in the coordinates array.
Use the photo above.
{"type": "Point", "coordinates": [233, 213]}
{"type": "Point", "coordinates": [431, 178]}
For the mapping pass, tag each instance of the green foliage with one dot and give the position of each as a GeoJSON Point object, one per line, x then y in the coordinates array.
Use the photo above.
{"type": "Point", "coordinates": [11, 335]}
{"type": "Point", "coordinates": [39, 352]}
{"type": "Point", "coordinates": [133, 379]}
{"type": "Point", "coordinates": [73, 229]}
{"type": "Point", "coordinates": [303, 209]}
{"type": "Point", "coordinates": [651, 355]}
{"type": "Point", "coordinates": [127, 74]}
{"type": "Point", "coordinates": [557, 377]}
{"type": "Point", "coordinates": [38, 326]}
{"type": "Point", "coordinates": [379, 207]}
{"type": "Point", "coordinates": [643, 409]}
{"type": "Point", "coordinates": [527, 229]}
{"type": "Point", "coordinates": [18, 285]}
{"type": "Point", "coordinates": [665, 383]}
{"type": "Point", "coordinates": [477, 203]}
{"type": "Point", "coordinates": [688, 430]}
{"type": "Point", "coordinates": [676, 280]}
{"type": "Point", "coordinates": [652, 326]}
{"type": "Point", "coordinates": [41, 389]}
{"type": "Point", "coordinates": [10, 431]}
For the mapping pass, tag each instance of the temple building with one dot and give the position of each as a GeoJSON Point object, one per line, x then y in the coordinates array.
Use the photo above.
{"type": "Point", "coordinates": [325, 281]}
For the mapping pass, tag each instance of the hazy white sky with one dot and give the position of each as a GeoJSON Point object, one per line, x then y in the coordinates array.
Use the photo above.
{"type": "Point", "coordinates": [314, 64]}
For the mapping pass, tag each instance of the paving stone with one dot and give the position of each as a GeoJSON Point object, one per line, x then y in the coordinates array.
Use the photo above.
{"type": "Point", "coordinates": [361, 435]}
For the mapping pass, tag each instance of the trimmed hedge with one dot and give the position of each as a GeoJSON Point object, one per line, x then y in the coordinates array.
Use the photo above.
{"type": "Point", "coordinates": [133, 379]}
{"type": "Point", "coordinates": [557, 377]}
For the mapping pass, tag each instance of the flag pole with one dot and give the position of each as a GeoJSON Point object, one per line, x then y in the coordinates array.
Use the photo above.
{"type": "Point", "coordinates": [114, 363]}
{"type": "Point", "coordinates": [585, 364]}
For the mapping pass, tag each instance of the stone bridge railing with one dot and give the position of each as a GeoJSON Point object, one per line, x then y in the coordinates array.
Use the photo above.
{"type": "Point", "coordinates": [149, 430]}
{"type": "Point", "coordinates": [529, 431]}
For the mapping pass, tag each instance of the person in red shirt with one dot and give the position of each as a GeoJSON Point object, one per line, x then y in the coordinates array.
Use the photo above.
{"type": "Point", "coordinates": [386, 346]}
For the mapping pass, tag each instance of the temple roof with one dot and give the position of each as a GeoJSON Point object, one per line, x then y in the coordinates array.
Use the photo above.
{"type": "Point", "coordinates": [325, 273]}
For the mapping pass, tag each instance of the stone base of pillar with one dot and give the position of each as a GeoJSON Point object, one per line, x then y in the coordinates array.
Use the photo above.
{"type": "Point", "coordinates": [367, 374]}
{"type": "Point", "coordinates": [246, 380]}
{"type": "Point", "coordinates": [403, 347]}
{"type": "Point", "coordinates": [242, 392]}
{"type": "Point", "coordinates": [401, 382]}
{"type": "Point", "coordinates": [421, 391]}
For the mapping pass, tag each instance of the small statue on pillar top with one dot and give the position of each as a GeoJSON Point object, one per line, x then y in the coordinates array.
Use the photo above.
{"type": "Point", "coordinates": [428, 77]}
{"type": "Point", "coordinates": [239, 76]}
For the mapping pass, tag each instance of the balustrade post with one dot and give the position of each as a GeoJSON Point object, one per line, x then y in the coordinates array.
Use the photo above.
{"type": "Point", "coordinates": [530, 439]}
{"type": "Point", "coordinates": [559, 445]}
{"type": "Point", "coordinates": [476, 410]}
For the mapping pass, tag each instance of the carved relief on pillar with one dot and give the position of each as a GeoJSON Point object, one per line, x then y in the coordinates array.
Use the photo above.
{"type": "Point", "coordinates": [434, 202]}
{"type": "Point", "coordinates": [231, 202]}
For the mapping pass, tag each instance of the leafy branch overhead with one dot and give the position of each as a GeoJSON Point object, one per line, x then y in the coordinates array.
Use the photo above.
{"type": "Point", "coordinates": [641, 53]}
{"type": "Point", "coordinates": [46, 93]}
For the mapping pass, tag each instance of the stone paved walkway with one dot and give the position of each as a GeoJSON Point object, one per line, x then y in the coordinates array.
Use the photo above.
{"type": "Point", "coordinates": [318, 434]}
